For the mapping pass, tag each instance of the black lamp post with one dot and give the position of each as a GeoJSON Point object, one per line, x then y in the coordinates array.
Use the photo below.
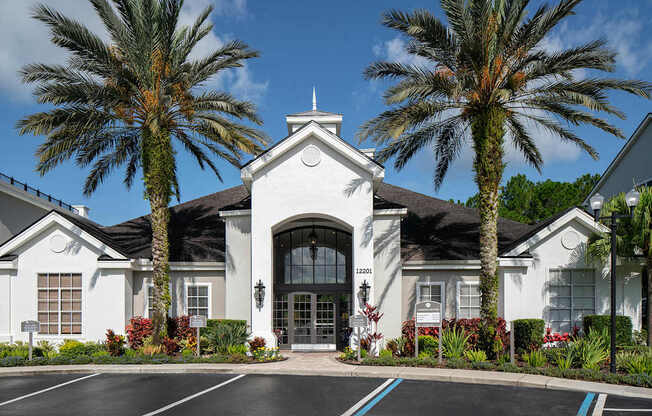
{"type": "Point", "coordinates": [259, 294]}
{"type": "Point", "coordinates": [631, 198]}
{"type": "Point", "coordinates": [364, 292]}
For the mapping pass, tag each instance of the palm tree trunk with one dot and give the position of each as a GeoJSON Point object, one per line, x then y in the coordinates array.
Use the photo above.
{"type": "Point", "coordinates": [488, 131]}
{"type": "Point", "coordinates": [159, 172]}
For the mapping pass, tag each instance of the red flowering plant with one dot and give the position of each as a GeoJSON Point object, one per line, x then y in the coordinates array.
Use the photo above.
{"type": "Point", "coordinates": [551, 339]}
{"type": "Point", "coordinates": [115, 344]}
{"type": "Point", "coordinates": [373, 336]}
{"type": "Point", "coordinates": [138, 329]}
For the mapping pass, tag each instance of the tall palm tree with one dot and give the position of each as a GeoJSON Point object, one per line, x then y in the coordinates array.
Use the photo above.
{"type": "Point", "coordinates": [127, 102]}
{"type": "Point", "coordinates": [487, 78]}
{"type": "Point", "coordinates": [633, 237]}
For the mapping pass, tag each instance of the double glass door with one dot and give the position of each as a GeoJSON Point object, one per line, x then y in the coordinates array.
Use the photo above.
{"type": "Point", "coordinates": [304, 319]}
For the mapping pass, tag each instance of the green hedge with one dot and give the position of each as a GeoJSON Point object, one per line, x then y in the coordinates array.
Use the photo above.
{"type": "Point", "coordinates": [528, 334]}
{"type": "Point", "coordinates": [623, 326]}
{"type": "Point", "coordinates": [212, 323]}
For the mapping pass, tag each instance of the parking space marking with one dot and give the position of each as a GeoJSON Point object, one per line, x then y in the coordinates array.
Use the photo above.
{"type": "Point", "coordinates": [628, 410]}
{"type": "Point", "coordinates": [599, 405]}
{"type": "Point", "coordinates": [378, 398]}
{"type": "Point", "coordinates": [368, 397]}
{"type": "Point", "coordinates": [48, 389]}
{"type": "Point", "coordinates": [171, 405]}
{"type": "Point", "coordinates": [584, 408]}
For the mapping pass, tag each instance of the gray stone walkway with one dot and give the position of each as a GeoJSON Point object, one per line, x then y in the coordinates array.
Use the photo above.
{"type": "Point", "coordinates": [325, 364]}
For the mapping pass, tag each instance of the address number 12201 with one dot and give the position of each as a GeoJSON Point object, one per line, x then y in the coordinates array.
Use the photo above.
{"type": "Point", "coordinates": [363, 270]}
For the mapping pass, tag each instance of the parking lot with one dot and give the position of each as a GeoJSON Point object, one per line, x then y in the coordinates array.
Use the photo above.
{"type": "Point", "coordinates": [228, 394]}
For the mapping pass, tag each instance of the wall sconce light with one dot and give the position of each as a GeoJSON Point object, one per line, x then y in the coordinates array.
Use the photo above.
{"type": "Point", "coordinates": [259, 294]}
{"type": "Point", "coordinates": [364, 292]}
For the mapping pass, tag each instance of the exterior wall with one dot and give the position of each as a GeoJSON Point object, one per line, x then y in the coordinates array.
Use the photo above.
{"type": "Point", "coordinates": [633, 168]}
{"type": "Point", "coordinates": [526, 291]}
{"type": "Point", "coordinates": [287, 189]}
{"type": "Point", "coordinates": [387, 273]}
{"type": "Point", "coordinates": [449, 277]}
{"type": "Point", "coordinates": [238, 295]}
{"type": "Point", "coordinates": [6, 279]}
{"type": "Point", "coordinates": [16, 214]}
{"type": "Point", "coordinates": [178, 279]}
{"type": "Point", "coordinates": [103, 293]}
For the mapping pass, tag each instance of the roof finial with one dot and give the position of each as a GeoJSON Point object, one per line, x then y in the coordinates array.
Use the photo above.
{"type": "Point", "coordinates": [314, 99]}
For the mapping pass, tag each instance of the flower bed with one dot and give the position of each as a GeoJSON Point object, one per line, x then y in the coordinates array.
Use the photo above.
{"type": "Point", "coordinates": [639, 380]}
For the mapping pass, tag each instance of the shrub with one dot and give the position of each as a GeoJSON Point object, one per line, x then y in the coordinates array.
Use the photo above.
{"type": "Point", "coordinates": [475, 356]}
{"type": "Point", "coordinates": [592, 349]}
{"type": "Point", "coordinates": [223, 335]}
{"type": "Point", "coordinates": [535, 358]}
{"type": "Point", "coordinates": [138, 329]}
{"type": "Point", "coordinates": [257, 342]}
{"type": "Point", "coordinates": [12, 361]}
{"type": "Point", "coordinates": [429, 345]}
{"type": "Point", "coordinates": [634, 363]}
{"type": "Point", "coordinates": [639, 337]}
{"type": "Point", "coordinates": [386, 354]}
{"type": "Point", "coordinates": [72, 348]}
{"type": "Point", "coordinates": [152, 350]}
{"type": "Point", "coordinates": [179, 327]}
{"type": "Point", "coordinates": [564, 358]}
{"type": "Point", "coordinates": [170, 345]}
{"type": "Point", "coordinates": [349, 354]}
{"type": "Point", "coordinates": [603, 322]}
{"type": "Point", "coordinates": [239, 349]}
{"type": "Point", "coordinates": [528, 334]}
{"type": "Point", "coordinates": [115, 344]}
{"type": "Point", "coordinates": [392, 346]}
{"type": "Point", "coordinates": [454, 342]}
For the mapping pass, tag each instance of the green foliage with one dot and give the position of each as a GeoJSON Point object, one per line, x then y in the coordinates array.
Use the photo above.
{"type": "Point", "coordinates": [639, 337]}
{"type": "Point", "coordinates": [72, 348]}
{"type": "Point", "coordinates": [428, 345]}
{"type": "Point", "coordinates": [635, 363]}
{"type": "Point", "coordinates": [564, 358]}
{"type": "Point", "coordinates": [222, 335]}
{"type": "Point", "coordinates": [528, 334]}
{"type": "Point", "coordinates": [454, 342]}
{"type": "Point", "coordinates": [592, 349]}
{"type": "Point", "coordinates": [475, 355]}
{"type": "Point", "coordinates": [238, 349]}
{"type": "Point", "coordinates": [386, 354]}
{"type": "Point", "coordinates": [535, 358]}
{"type": "Point", "coordinates": [349, 354]}
{"type": "Point", "coordinates": [603, 323]}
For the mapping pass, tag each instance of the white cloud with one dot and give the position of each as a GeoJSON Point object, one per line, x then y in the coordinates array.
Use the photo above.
{"type": "Point", "coordinates": [394, 50]}
{"type": "Point", "coordinates": [25, 40]}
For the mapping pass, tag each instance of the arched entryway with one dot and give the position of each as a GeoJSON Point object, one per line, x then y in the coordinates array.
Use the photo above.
{"type": "Point", "coordinates": [312, 285]}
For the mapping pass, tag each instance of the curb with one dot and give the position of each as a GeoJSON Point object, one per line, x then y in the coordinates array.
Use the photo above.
{"type": "Point", "coordinates": [408, 373]}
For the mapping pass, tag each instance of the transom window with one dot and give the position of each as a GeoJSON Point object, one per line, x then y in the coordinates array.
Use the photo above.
{"type": "Point", "coordinates": [571, 295]}
{"type": "Point", "coordinates": [313, 255]}
{"type": "Point", "coordinates": [60, 303]}
{"type": "Point", "coordinates": [197, 299]}
{"type": "Point", "coordinates": [468, 300]}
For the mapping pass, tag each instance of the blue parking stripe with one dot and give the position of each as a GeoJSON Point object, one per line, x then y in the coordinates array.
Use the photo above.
{"type": "Point", "coordinates": [378, 398]}
{"type": "Point", "coordinates": [584, 408]}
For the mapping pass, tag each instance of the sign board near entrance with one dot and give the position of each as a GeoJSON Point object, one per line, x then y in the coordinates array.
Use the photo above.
{"type": "Point", "coordinates": [197, 321]}
{"type": "Point", "coordinates": [29, 326]}
{"type": "Point", "coordinates": [428, 313]}
{"type": "Point", "coordinates": [357, 321]}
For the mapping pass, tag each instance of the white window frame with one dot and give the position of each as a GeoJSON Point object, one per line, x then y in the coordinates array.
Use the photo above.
{"type": "Point", "coordinates": [442, 286]}
{"type": "Point", "coordinates": [458, 293]}
{"type": "Point", "coordinates": [209, 285]}
{"type": "Point", "coordinates": [59, 335]}
{"type": "Point", "coordinates": [572, 309]}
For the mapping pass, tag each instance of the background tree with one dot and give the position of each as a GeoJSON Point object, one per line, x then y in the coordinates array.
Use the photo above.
{"type": "Point", "coordinates": [488, 79]}
{"type": "Point", "coordinates": [633, 238]}
{"type": "Point", "coordinates": [133, 102]}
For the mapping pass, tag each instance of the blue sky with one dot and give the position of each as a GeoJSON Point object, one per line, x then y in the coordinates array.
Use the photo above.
{"type": "Point", "coordinates": [326, 44]}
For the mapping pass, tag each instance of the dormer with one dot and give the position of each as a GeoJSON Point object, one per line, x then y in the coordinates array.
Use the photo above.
{"type": "Point", "coordinates": [330, 121]}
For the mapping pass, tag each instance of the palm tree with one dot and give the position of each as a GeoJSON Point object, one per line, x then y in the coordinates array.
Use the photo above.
{"type": "Point", "coordinates": [128, 102]}
{"type": "Point", "coordinates": [487, 78]}
{"type": "Point", "coordinates": [633, 237]}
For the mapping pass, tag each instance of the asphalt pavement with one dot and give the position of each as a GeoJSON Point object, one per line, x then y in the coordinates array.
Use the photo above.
{"type": "Point", "coordinates": [251, 394]}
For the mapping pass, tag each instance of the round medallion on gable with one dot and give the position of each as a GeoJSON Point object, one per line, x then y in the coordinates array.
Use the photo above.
{"type": "Point", "coordinates": [58, 243]}
{"type": "Point", "coordinates": [570, 240]}
{"type": "Point", "coordinates": [311, 155]}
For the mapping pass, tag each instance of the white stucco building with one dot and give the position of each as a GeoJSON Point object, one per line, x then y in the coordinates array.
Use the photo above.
{"type": "Point", "coordinates": [312, 221]}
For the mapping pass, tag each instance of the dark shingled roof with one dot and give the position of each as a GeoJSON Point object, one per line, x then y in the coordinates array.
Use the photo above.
{"type": "Point", "coordinates": [433, 229]}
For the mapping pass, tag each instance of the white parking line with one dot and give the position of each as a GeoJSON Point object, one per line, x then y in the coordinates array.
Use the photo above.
{"type": "Point", "coordinates": [171, 405]}
{"type": "Point", "coordinates": [599, 405]}
{"type": "Point", "coordinates": [366, 398]}
{"type": "Point", "coordinates": [627, 410]}
{"type": "Point", "coordinates": [48, 389]}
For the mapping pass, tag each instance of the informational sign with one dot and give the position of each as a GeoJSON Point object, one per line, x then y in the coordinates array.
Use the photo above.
{"type": "Point", "coordinates": [357, 321]}
{"type": "Point", "coordinates": [31, 327]}
{"type": "Point", "coordinates": [197, 321]}
{"type": "Point", "coordinates": [428, 313]}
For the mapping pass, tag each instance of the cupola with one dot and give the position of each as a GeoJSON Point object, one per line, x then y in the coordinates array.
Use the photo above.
{"type": "Point", "coordinates": [330, 121]}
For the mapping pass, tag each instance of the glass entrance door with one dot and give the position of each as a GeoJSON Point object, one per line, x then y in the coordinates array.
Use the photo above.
{"type": "Point", "coordinates": [325, 319]}
{"type": "Point", "coordinates": [306, 320]}
{"type": "Point", "coordinates": [302, 330]}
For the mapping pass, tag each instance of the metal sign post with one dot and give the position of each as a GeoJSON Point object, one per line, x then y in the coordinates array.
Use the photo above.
{"type": "Point", "coordinates": [357, 322]}
{"type": "Point", "coordinates": [197, 321]}
{"type": "Point", "coordinates": [426, 314]}
{"type": "Point", "coordinates": [31, 327]}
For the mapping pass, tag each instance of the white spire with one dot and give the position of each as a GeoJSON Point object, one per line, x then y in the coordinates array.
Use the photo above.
{"type": "Point", "coordinates": [314, 99]}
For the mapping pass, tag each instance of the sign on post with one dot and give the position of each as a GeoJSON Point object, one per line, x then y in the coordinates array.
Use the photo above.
{"type": "Point", "coordinates": [198, 321]}
{"type": "Point", "coordinates": [426, 314]}
{"type": "Point", "coordinates": [31, 327]}
{"type": "Point", "coordinates": [357, 322]}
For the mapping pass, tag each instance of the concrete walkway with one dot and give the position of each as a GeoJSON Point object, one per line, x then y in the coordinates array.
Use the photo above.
{"type": "Point", "coordinates": [325, 364]}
